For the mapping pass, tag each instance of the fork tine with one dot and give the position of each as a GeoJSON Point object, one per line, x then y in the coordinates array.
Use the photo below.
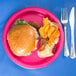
{"type": "Point", "coordinates": [64, 15]}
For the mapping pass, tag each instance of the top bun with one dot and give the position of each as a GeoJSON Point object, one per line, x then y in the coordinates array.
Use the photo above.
{"type": "Point", "coordinates": [21, 39]}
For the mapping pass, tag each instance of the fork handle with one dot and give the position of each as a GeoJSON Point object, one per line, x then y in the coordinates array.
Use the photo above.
{"type": "Point", "coordinates": [66, 50]}
{"type": "Point", "coordinates": [72, 52]}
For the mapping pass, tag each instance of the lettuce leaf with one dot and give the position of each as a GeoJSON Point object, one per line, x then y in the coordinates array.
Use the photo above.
{"type": "Point", "coordinates": [22, 22]}
{"type": "Point", "coordinates": [28, 54]}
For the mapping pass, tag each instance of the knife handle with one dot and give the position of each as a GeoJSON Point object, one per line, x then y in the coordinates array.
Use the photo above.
{"type": "Point", "coordinates": [66, 50]}
{"type": "Point", "coordinates": [72, 52]}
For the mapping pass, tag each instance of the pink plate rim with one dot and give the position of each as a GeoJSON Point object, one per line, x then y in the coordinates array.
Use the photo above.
{"type": "Point", "coordinates": [16, 61]}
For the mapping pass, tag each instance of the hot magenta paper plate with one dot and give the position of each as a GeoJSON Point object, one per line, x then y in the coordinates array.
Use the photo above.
{"type": "Point", "coordinates": [32, 61]}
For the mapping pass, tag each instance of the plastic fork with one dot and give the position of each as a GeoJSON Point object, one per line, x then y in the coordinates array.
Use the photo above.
{"type": "Point", "coordinates": [64, 20]}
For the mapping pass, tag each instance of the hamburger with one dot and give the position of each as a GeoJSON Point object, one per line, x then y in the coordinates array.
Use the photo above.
{"type": "Point", "coordinates": [22, 38]}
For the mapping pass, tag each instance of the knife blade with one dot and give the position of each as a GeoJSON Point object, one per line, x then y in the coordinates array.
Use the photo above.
{"type": "Point", "coordinates": [72, 22]}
